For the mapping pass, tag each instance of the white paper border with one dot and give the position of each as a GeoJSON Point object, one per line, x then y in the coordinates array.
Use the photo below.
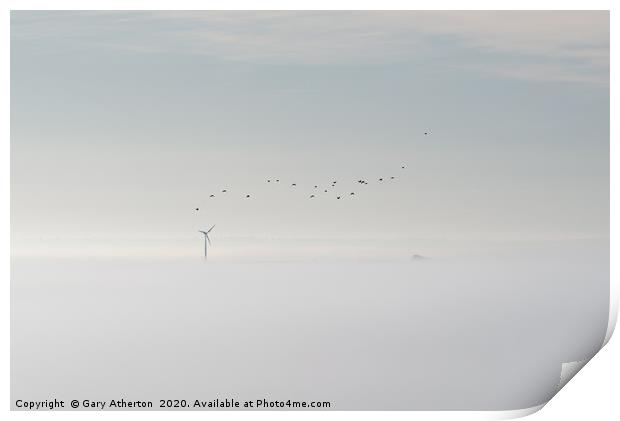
{"type": "Point", "coordinates": [569, 369]}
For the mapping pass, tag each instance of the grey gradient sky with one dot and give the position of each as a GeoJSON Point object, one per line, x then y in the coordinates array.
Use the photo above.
{"type": "Point", "coordinates": [123, 122]}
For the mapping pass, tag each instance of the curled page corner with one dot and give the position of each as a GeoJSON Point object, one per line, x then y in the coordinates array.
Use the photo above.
{"type": "Point", "coordinates": [569, 370]}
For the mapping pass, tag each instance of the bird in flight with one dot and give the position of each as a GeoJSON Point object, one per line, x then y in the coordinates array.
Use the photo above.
{"type": "Point", "coordinates": [311, 196]}
{"type": "Point", "coordinates": [247, 195]}
{"type": "Point", "coordinates": [197, 209]}
{"type": "Point", "coordinates": [224, 191]}
{"type": "Point", "coordinates": [212, 195]}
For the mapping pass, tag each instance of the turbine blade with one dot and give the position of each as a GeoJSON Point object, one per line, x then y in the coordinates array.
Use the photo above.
{"type": "Point", "coordinates": [208, 239]}
{"type": "Point", "coordinates": [210, 229]}
{"type": "Point", "coordinates": [202, 232]}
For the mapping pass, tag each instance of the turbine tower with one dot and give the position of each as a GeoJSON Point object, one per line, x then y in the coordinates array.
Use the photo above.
{"type": "Point", "coordinates": [207, 239]}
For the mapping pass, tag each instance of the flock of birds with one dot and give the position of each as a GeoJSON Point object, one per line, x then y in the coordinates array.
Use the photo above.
{"type": "Point", "coordinates": [316, 188]}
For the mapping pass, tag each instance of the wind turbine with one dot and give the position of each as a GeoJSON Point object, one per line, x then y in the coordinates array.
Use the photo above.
{"type": "Point", "coordinates": [207, 239]}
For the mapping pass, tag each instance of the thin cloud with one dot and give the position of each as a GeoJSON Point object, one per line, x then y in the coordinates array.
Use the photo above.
{"type": "Point", "coordinates": [574, 44]}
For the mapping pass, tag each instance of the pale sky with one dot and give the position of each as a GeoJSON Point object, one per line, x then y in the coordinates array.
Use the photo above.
{"type": "Point", "coordinates": [123, 122]}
